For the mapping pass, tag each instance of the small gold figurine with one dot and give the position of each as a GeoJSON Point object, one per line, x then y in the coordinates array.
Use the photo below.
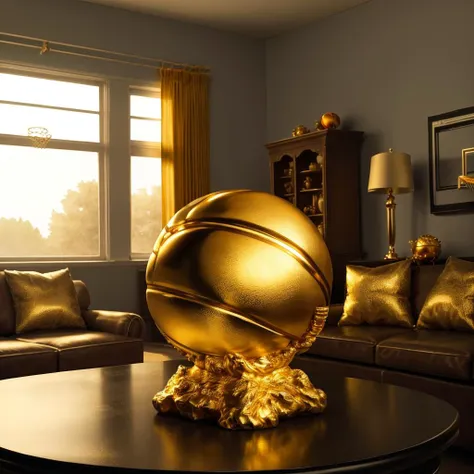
{"type": "Point", "coordinates": [318, 126]}
{"type": "Point", "coordinates": [425, 248]}
{"type": "Point", "coordinates": [308, 182]}
{"type": "Point", "coordinates": [221, 289]}
{"type": "Point", "coordinates": [300, 130]}
{"type": "Point", "coordinates": [288, 187]}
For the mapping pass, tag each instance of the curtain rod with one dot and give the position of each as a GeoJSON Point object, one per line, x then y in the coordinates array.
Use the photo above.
{"type": "Point", "coordinates": [46, 46]}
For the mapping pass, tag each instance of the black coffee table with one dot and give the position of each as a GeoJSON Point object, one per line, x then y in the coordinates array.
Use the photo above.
{"type": "Point", "coordinates": [102, 421]}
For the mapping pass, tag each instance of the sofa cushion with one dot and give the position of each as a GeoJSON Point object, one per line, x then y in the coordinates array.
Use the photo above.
{"type": "Point", "coordinates": [44, 300]}
{"type": "Point", "coordinates": [19, 358]}
{"type": "Point", "coordinates": [436, 353]}
{"type": "Point", "coordinates": [352, 343]}
{"type": "Point", "coordinates": [423, 279]}
{"type": "Point", "coordinates": [379, 296]}
{"type": "Point", "coordinates": [450, 303]}
{"type": "Point", "coordinates": [86, 349]}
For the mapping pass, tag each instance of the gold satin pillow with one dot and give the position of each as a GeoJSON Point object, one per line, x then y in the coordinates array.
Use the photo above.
{"type": "Point", "coordinates": [378, 296]}
{"type": "Point", "coordinates": [44, 300]}
{"type": "Point", "coordinates": [450, 303]}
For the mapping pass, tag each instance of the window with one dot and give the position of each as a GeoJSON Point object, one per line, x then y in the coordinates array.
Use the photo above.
{"type": "Point", "coordinates": [50, 199]}
{"type": "Point", "coordinates": [145, 135]}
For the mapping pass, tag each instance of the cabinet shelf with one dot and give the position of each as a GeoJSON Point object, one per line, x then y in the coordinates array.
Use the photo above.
{"type": "Point", "coordinates": [339, 222]}
{"type": "Point", "coordinates": [311, 190]}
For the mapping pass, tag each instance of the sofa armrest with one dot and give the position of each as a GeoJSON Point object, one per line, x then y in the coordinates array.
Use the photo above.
{"type": "Point", "coordinates": [115, 322]}
{"type": "Point", "coordinates": [335, 313]}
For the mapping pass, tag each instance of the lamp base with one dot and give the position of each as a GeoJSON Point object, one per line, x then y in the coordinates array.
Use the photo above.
{"type": "Point", "coordinates": [390, 206]}
{"type": "Point", "coordinates": [391, 254]}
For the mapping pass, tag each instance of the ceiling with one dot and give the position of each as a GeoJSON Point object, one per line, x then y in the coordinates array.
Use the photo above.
{"type": "Point", "coordinates": [259, 18]}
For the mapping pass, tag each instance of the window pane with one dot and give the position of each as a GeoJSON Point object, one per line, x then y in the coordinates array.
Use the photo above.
{"type": "Point", "coordinates": [32, 90]}
{"type": "Point", "coordinates": [145, 203]}
{"type": "Point", "coordinates": [49, 202]}
{"type": "Point", "coordinates": [145, 130]}
{"type": "Point", "coordinates": [61, 124]}
{"type": "Point", "coordinates": [146, 107]}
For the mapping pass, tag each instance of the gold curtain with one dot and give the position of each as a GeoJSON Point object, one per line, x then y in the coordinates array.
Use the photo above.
{"type": "Point", "coordinates": [185, 137]}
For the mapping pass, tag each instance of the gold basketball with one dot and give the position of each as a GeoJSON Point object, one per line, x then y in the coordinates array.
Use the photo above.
{"type": "Point", "coordinates": [237, 272]}
{"type": "Point", "coordinates": [330, 120]}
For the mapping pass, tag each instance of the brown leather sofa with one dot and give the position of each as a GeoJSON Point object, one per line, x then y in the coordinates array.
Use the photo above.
{"type": "Point", "coordinates": [440, 363]}
{"type": "Point", "coordinates": [111, 338]}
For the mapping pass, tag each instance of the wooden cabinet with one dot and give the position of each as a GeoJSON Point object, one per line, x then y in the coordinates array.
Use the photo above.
{"type": "Point", "coordinates": [319, 173]}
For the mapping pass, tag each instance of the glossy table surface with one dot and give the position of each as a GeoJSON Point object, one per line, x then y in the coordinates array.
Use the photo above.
{"type": "Point", "coordinates": [75, 421]}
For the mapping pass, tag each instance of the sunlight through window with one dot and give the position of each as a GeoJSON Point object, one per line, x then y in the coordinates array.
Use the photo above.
{"type": "Point", "coordinates": [145, 133]}
{"type": "Point", "coordinates": [34, 90]}
{"type": "Point", "coordinates": [53, 209]}
{"type": "Point", "coordinates": [50, 198]}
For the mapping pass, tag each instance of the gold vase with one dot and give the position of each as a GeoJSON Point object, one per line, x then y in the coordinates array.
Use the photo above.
{"type": "Point", "coordinates": [321, 203]}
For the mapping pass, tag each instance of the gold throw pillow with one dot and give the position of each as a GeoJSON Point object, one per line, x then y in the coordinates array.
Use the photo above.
{"type": "Point", "coordinates": [44, 300]}
{"type": "Point", "coordinates": [450, 303]}
{"type": "Point", "coordinates": [378, 296]}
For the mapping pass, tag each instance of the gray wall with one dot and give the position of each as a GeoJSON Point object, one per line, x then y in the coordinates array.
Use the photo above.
{"type": "Point", "coordinates": [238, 159]}
{"type": "Point", "coordinates": [384, 67]}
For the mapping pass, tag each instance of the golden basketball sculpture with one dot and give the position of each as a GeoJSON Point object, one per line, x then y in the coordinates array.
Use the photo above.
{"type": "Point", "coordinates": [239, 282]}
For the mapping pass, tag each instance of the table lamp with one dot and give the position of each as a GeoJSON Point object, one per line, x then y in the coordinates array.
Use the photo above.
{"type": "Point", "coordinates": [390, 173]}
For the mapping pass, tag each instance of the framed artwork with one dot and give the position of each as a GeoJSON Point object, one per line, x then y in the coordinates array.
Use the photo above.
{"type": "Point", "coordinates": [451, 143]}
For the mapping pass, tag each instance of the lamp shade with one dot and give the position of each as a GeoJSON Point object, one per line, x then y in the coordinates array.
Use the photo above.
{"type": "Point", "coordinates": [390, 170]}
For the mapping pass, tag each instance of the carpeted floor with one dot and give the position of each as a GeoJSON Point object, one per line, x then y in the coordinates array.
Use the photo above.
{"type": "Point", "coordinates": [454, 461]}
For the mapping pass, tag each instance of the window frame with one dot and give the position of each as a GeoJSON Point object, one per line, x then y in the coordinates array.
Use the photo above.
{"type": "Point", "coordinates": [150, 150]}
{"type": "Point", "coordinates": [101, 148]}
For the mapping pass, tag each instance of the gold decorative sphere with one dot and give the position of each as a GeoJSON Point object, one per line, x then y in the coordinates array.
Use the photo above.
{"type": "Point", "coordinates": [425, 248]}
{"type": "Point", "coordinates": [237, 272]}
{"type": "Point", "coordinates": [330, 120]}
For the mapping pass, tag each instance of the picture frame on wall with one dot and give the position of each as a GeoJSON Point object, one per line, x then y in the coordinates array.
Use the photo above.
{"type": "Point", "coordinates": [449, 134]}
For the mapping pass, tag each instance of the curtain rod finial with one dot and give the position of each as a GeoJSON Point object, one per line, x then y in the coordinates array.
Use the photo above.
{"type": "Point", "coordinates": [45, 48]}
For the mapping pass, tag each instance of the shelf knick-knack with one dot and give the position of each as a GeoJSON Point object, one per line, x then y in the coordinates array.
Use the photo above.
{"type": "Point", "coordinates": [321, 203]}
{"type": "Point", "coordinates": [308, 182]}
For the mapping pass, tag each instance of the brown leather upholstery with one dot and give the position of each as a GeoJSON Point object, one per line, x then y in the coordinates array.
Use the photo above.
{"type": "Point", "coordinates": [86, 349]}
{"type": "Point", "coordinates": [21, 358]}
{"type": "Point", "coordinates": [437, 353]}
{"type": "Point", "coordinates": [83, 295]}
{"type": "Point", "coordinates": [354, 343]}
{"type": "Point", "coordinates": [426, 356]}
{"type": "Point", "coordinates": [115, 322]}
{"type": "Point", "coordinates": [423, 278]}
{"type": "Point", "coordinates": [7, 313]}
{"type": "Point", "coordinates": [113, 338]}
{"type": "Point", "coordinates": [335, 313]}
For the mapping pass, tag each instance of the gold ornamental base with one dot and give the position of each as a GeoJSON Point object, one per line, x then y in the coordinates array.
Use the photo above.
{"type": "Point", "coordinates": [242, 393]}
{"type": "Point", "coordinates": [250, 401]}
